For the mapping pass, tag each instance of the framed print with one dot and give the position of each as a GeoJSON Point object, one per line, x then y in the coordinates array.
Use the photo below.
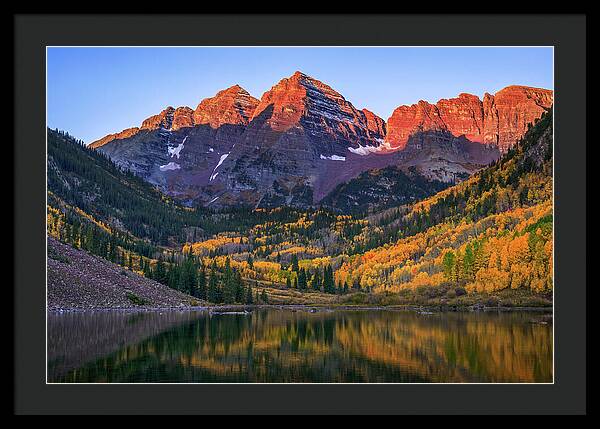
{"type": "Point", "coordinates": [234, 222]}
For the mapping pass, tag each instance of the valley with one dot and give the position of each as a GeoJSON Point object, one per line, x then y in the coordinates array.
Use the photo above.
{"type": "Point", "coordinates": [486, 240]}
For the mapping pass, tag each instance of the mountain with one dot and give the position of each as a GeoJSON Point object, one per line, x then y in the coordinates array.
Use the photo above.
{"type": "Point", "coordinates": [303, 138]}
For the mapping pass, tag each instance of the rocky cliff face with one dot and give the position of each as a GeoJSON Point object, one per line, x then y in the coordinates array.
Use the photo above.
{"type": "Point", "coordinates": [499, 120]}
{"type": "Point", "coordinates": [303, 138]}
{"type": "Point", "coordinates": [509, 112]}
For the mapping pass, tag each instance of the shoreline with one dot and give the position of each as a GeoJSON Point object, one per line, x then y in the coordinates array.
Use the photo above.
{"type": "Point", "coordinates": [240, 308]}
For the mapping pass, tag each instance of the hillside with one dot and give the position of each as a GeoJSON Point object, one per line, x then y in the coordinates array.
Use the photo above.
{"type": "Point", "coordinates": [491, 233]}
{"type": "Point", "coordinates": [378, 189]}
{"type": "Point", "coordinates": [79, 280]}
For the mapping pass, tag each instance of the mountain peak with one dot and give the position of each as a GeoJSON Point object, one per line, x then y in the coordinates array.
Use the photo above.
{"type": "Point", "coordinates": [163, 120]}
{"type": "Point", "coordinates": [234, 89]}
{"type": "Point", "coordinates": [233, 105]}
{"type": "Point", "coordinates": [298, 75]}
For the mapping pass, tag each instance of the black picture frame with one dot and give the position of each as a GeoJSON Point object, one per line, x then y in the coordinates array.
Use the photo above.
{"type": "Point", "coordinates": [567, 33]}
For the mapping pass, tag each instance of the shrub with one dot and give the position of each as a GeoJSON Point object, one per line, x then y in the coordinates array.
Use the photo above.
{"type": "Point", "coordinates": [460, 291]}
{"type": "Point", "coordinates": [136, 299]}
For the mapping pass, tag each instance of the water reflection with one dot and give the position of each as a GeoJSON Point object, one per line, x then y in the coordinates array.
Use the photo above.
{"type": "Point", "coordinates": [285, 346]}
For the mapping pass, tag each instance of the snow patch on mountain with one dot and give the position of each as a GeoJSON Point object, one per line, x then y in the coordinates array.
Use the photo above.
{"type": "Point", "coordinates": [170, 166]}
{"type": "Point", "coordinates": [214, 174]}
{"type": "Point", "coordinates": [334, 157]}
{"type": "Point", "coordinates": [366, 150]}
{"type": "Point", "coordinates": [176, 150]}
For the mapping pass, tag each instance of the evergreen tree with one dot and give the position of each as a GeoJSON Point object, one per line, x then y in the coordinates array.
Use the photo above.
{"type": "Point", "coordinates": [160, 274]}
{"type": "Point", "coordinates": [316, 281]}
{"type": "Point", "coordinates": [213, 286]}
{"type": "Point", "coordinates": [448, 263]}
{"type": "Point", "coordinates": [328, 281]}
{"type": "Point", "coordinates": [302, 279]}
{"type": "Point", "coordinates": [295, 266]}
{"type": "Point", "coordinates": [229, 286]}
{"type": "Point", "coordinates": [202, 284]}
{"type": "Point", "coordinates": [249, 300]}
{"type": "Point", "coordinates": [239, 287]}
{"type": "Point", "coordinates": [468, 263]}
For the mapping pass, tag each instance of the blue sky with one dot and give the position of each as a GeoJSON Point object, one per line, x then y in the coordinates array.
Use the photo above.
{"type": "Point", "coordinates": [96, 91]}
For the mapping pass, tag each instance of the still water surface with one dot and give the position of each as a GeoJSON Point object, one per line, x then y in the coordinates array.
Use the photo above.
{"type": "Point", "coordinates": [271, 345]}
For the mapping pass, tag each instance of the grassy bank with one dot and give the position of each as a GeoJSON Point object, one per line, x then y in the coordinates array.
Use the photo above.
{"type": "Point", "coordinates": [426, 296]}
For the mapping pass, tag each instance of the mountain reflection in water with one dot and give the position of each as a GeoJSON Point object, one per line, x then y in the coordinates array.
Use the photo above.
{"type": "Point", "coordinates": [272, 345]}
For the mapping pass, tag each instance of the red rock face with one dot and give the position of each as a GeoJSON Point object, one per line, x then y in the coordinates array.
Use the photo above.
{"type": "Point", "coordinates": [285, 104]}
{"type": "Point", "coordinates": [508, 113]}
{"type": "Point", "coordinates": [231, 106]}
{"type": "Point", "coordinates": [407, 120]}
{"type": "Point", "coordinates": [463, 116]}
{"type": "Point", "coordinates": [122, 135]}
{"type": "Point", "coordinates": [499, 119]}
{"type": "Point", "coordinates": [163, 120]}
{"type": "Point", "coordinates": [182, 117]}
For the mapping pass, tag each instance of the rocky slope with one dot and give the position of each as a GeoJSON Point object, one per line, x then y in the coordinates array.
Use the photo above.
{"type": "Point", "coordinates": [303, 138]}
{"type": "Point", "coordinates": [77, 279]}
{"type": "Point", "coordinates": [378, 189]}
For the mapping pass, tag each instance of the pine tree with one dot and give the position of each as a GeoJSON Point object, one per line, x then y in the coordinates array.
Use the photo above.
{"type": "Point", "coordinates": [160, 274]}
{"type": "Point", "coordinates": [302, 279]}
{"type": "Point", "coordinates": [202, 284]}
{"type": "Point", "coordinates": [448, 263]}
{"type": "Point", "coordinates": [213, 287]}
{"type": "Point", "coordinates": [468, 263]}
{"type": "Point", "coordinates": [239, 287]}
{"type": "Point", "coordinates": [295, 266]}
{"type": "Point", "coordinates": [228, 284]}
{"type": "Point", "coordinates": [328, 281]}
{"type": "Point", "coordinates": [316, 281]}
{"type": "Point", "coordinates": [249, 300]}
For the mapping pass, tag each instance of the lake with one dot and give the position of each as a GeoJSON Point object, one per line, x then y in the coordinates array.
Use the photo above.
{"type": "Point", "coordinates": [285, 346]}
